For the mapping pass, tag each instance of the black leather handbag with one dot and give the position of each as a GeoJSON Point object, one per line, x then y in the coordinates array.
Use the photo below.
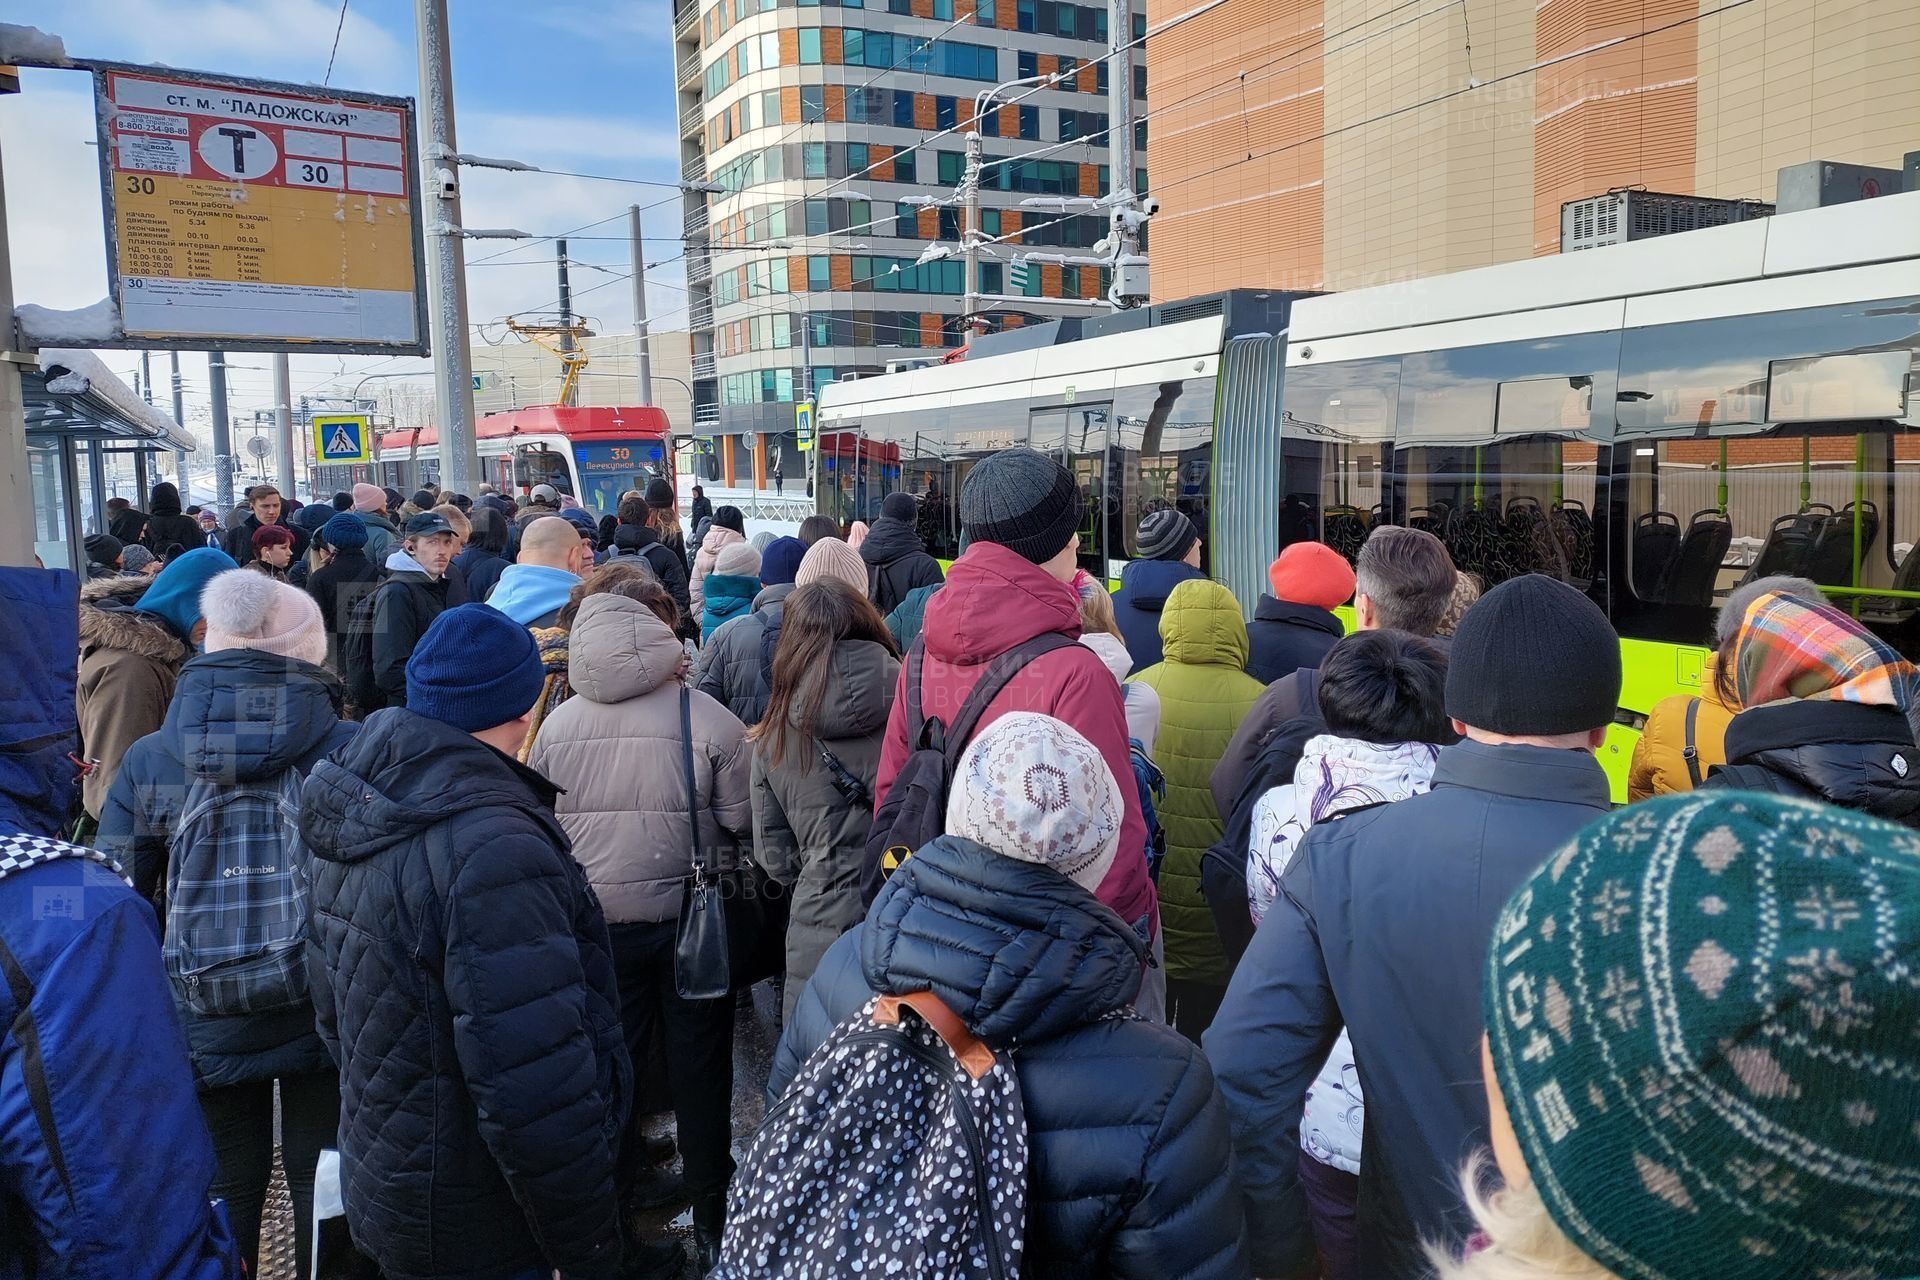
{"type": "Point", "coordinates": [702, 958]}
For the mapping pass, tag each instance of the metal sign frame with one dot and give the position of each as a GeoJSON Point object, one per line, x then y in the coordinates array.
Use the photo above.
{"type": "Point", "coordinates": [320, 423]}
{"type": "Point", "coordinates": [103, 108]}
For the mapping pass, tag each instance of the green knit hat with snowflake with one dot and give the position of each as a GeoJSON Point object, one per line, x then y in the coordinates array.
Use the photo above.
{"type": "Point", "coordinates": [1705, 1021]}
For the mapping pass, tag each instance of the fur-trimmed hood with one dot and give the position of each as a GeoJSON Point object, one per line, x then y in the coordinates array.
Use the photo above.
{"type": "Point", "coordinates": [108, 621]}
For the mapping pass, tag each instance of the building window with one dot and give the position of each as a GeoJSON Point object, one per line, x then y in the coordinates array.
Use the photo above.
{"type": "Point", "coordinates": [813, 103]}
{"type": "Point", "coordinates": [1069, 282]}
{"type": "Point", "coordinates": [943, 10]}
{"type": "Point", "coordinates": [819, 272]}
{"type": "Point", "coordinates": [989, 124]}
{"type": "Point", "coordinates": [902, 110]}
{"type": "Point", "coordinates": [949, 223]}
{"type": "Point", "coordinates": [1026, 16]}
{"type": "Point", "coordinates": [1026, 65]}
{"type": "Point", "coordinates": [810, 45]}
{"type": "Point", "coordinates": [990, 221]}
{"type": "Point", "coordinates": [906, 221]}
{"type": "Point", "coordinates": [813, 159]}
{"type": "Point", "coordinates": [992, 278]}
{"type": "Point", "coordinates": [944, 112]}
{"type": "Point", "coordinates": [1030, 123]}
{"type": "Point", "coordinates": [985, 13]}
{"type": "Point", "coordinates": [903, 166]}
{"type": "Point", "coordinates": [816, 217]}
{"type": "Point", "coordinates": [857, 162]}
{"type": "Point", "coordinates": [950, 165]}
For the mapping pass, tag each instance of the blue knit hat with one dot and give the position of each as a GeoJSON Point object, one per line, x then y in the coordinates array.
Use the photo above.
{"type": "Point", "coordinates": [313, 517]}
{"type": "Point", "coordinates": [582, 520]}
{"type": "Point", "coordinates": [780, 561]}
{"type": "Point", "coordinates": [345, 532]}
{"type": "Point", "coordinates": [474, 669]}
{"type": "Point", "coordinates": [175, 593]}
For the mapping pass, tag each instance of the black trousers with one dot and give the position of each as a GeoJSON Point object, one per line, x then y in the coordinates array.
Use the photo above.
{"type": "Point", "coordinates": [697, 1036]}
{"type": "Point", "coordinates": [240, 1117]}
{"type": "Point", "coordinates": [1191, 1006]}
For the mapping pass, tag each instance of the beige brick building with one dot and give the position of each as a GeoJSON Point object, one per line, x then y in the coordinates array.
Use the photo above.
{"type": "Point", "coordinates": [1333, 144]}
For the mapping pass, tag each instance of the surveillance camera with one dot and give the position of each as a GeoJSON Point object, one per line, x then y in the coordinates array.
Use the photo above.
{"type": "Point", "coordinates": [446, 183]}
{"type": "Point", "coordinates": [1150, 206]}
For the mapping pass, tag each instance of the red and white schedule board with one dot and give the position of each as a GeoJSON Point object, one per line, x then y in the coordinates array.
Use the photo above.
{"type": "Point", "coordinates": [261, 217]}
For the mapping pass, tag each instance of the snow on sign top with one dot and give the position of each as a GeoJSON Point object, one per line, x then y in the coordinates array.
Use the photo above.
{"type": "Point", "coordinates": [260, 216]}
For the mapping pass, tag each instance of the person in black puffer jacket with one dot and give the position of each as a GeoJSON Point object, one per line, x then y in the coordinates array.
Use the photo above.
{"type": "Point", "coordinates": [1131, 1164]}
{"type": "Point", "coordinates": [255, 705]}
{"type": "Point", "coordinates": [897, 561]}
{"type": "Point", "coordinates": [1828, 711]}
{"type": "Point", "coordinates": [165, 523]}
{"type": "Point", "coordinates": [463, 981]}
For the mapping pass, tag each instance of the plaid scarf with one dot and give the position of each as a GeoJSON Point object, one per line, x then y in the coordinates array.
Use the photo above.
{"type": "Point", "coordinates": [1788, 649]}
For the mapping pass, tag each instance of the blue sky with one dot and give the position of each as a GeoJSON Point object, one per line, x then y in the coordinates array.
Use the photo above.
{"type": "Point", "coordinates": [584, 86]}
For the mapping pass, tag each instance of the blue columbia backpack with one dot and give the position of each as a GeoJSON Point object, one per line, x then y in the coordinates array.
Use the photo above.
{"type": "Point", "coordinates": [1153, 789]}
{"type": "Point", "coordinates": [237, 898]}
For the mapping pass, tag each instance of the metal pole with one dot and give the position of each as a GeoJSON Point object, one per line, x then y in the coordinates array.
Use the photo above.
{"type": "Point", "coordinates": [1120, 96]}
{"type": "Point", "coordinates": [223, 459]}
{"type": "Point", "coordinates": [572, 385]}
{"type": "Point", "coordinates": [642, 356]}
{"type": "Point", "coordinates": [16, 480]}
{"type": "Point", "coordinates": [179, 416]}
{"type": "Point", "coordinates": [283, 411]}
{"type": "Point", "coordinates": [970, 234]}
{"type": "Point", "coordinates": [446, 257]}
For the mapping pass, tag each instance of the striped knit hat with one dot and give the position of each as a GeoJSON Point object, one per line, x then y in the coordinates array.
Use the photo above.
{"type": "Point", "coordinates": [1164, 535]}
{"type": "Point", "coordinates": [1702, 1017]}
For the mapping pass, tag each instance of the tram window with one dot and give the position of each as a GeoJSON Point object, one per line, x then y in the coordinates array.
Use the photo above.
{"type": "Point", "coordinates": [1161, 454]}
{"type": "Point", "coordinates": [1870, 384]}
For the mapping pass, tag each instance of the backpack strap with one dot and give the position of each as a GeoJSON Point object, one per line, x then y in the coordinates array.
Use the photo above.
{"type": "Point", "coordinates": [975, 1058]}
{"type": "Point", "coordinates": [1691, 752]}
{"type": "Point", "coordinates": [998, 673]}
{"type": "Point", "coordinates": [916, 714]}
{"type": "Point", "coordinates": [702, 872]}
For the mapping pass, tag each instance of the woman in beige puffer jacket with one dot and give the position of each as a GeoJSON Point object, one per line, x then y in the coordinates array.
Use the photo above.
{"type": "Point", "coordinates": [616, 749]}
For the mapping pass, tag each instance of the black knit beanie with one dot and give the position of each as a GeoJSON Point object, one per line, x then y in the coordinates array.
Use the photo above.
{"type": "Point", "coordinates": [1534, 657]}
{"type": "Point", "coordinates": [899, 506]}
{"type": "Point", "coordinates": [1023, 500]}
{"type": "Point", "coordinates": [659, 492]}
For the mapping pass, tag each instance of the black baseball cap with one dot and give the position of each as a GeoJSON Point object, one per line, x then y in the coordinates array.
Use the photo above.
{"type": "Point", "coordinates": [426, 524]}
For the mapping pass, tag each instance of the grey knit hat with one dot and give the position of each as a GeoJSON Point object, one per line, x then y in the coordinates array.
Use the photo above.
{"type": "Point", "coordinates": [1023, 500]}
{"type": "Point", "coordinates": [1165, 535]}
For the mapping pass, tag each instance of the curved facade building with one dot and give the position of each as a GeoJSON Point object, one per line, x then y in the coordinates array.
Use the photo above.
{"type": "Point", "coordinates": [825, 123]}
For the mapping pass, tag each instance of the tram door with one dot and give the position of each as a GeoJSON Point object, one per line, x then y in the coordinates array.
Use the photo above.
{"type": "Point", "coordinates": [1079, 435]}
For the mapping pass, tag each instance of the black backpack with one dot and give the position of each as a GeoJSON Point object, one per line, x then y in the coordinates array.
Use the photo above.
{"type": "Point", "coordinates": [915, 810]}
{"type": "Point", "coordinates": [356, 655]}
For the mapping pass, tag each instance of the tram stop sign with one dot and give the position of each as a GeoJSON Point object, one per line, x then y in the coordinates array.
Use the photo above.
{"type": "Point", "coordinates": [341, 437]}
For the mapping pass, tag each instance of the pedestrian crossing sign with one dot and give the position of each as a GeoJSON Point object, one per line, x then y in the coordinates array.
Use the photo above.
{"type": "Point", "coordinates": [803, 425]}
{"type": "Point", "coordinates": [341, 437]}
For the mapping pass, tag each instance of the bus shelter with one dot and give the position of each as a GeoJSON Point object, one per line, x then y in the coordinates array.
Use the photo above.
{"type": "Point", "coordinates": [89, 437]}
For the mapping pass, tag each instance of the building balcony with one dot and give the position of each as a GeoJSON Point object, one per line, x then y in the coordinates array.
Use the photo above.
{"type": "Point", "coordinates": [706, 415]}
{"type": "Point", "coordinates": [695, 221]}
{"type": "Point", "coordinates": [703, 366]}
{"type": "Point", "coordinates": [700, 314]}
{"type": "Point", "coordinates": [686, 19]}
{"type": "Point", "coordinates": [689, 76]}
{"type": "Point", "coordinates": [699, 267]}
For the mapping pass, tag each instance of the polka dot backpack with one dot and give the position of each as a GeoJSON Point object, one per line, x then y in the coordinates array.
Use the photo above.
{"type": "Point", "coordinates": [900, 1150]}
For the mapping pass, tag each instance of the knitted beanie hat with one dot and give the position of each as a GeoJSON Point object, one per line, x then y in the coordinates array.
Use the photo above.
{"type": "Point", "coordinates": [857, 534]}
{"type": "Point", "coordinates": [1312, 573]}
{"type": "Point", "coordinates": [1701, 1015]}
{"type": "Point", "coordinates": [659, 492]}
{"type": "Point", "coordinates": [135, 558]}
{"type": "Point", "coordinates": [832, 558]}
{"type": "Point", "coordinates": [1029, 787]}
{"type": "Point", "coordinates": [102, 548]}
{"type": "Point", "coordinates": [781, 560]}
{"type": "Point", "coordinates": [312, 518]}
{"type": "Point", "coordinates": [899, 506]}
{"type": "Point", "coordinates": [1534, 657]}
{"type": "Point", "coordinates": [474, 669]}
{"type": "Point", "coordinates": [737, 559]}
{"type": "Point", "coordinates": [369, 498]}
{"type": "Point", "coordinates": [345, 532]}
{"type": "Point", "coordinates": [247, 610]}
{"type": "Point", "coordinates": [1165, 535]}
{"type": "Point", "coordinates": [1023, 500]}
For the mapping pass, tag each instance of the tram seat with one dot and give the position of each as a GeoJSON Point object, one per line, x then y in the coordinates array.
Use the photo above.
{"type": "Point", "coordinates": [1656, 541]}
{"type": "Point", "coordinates": [1574, 528]}
{"type": "Point", "coordinates": [1431, 519]}
{"type": "Point", "coordinates": [1346, 530]}
{"type": "Point", "coordinates": [1830, 563]}
{"type": "Point", "coordinates": [1893, 609]}
{"type": "Point", "coordinates": [1473, 537]}
{"type": "Point", "coordinates": [1527, 542]}
{"type": "Point", "coordinates": [1789, 544]}
{"type": "Point", "coordinates": [1691, 576]}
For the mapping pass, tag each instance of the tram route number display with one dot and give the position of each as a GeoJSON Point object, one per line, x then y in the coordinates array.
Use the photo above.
{"type": "Point", "coordinates": [260, 216]}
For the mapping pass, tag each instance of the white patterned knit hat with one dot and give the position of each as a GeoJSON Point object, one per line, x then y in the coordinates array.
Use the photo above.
{"type": "Point", "coordinates": [1029, 787]}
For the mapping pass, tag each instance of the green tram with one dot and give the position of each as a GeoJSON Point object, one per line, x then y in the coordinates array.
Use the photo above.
{"type": "Point", "coordinates": [1654, 422]}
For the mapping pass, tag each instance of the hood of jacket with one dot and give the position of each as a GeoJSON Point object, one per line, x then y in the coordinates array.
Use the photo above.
{"type": "Point", "coordinates": [528, 592]}
{"type": "Point", "coordinates": [1847, 753]}
{"type": "Point", "coordinates": [993, 600]}
{"type": "Point", "coordinates": [1200, 625]}
{"type": "Point", "coordinates": [1310, 616]}
{"type": "Point", "coordinates": [41, 645]}
{"type": "Point", "coordinates": [634, 538]}
{"type": "Point", "coordinates": [718, 587]}
{"type": "Point", "coordinates": [889, 540]}
{"type": "Point", "coordinates": [1016, 949]}
{"type": "Point", "coordinates": [241, 714]}
{"type": "Point", "coordinates": [1336, 775]}
{"type": "Point", "coordinates": [402, 773]}
{"type": "Point", "coordinates": [1146, 584]}
{"type": "Point", "coordinates": [108, 620]}
{"type": "Point", "coordinates": [860, 678]}
{"type": "Point", "coordinates": [619, 650]}
{"type": "Point", "coordinates": [164, 500]}
{"type": "Point", "coordinates": [1112, 651]}
{"type": "Point", "coordinates": [718, 538]}
{"type": "Point", "coordinates": [775, 594]}
{"type": "Point", "coordinates": [399, 561]}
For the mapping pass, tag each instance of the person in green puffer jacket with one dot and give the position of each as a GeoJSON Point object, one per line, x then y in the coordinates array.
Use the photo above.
{"type": "Point", "coordinates": [1204, 695]}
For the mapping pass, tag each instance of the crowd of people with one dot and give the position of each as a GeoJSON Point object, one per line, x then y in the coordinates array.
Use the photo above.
{"type": "Point", "coordinates": [1288, 938]}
